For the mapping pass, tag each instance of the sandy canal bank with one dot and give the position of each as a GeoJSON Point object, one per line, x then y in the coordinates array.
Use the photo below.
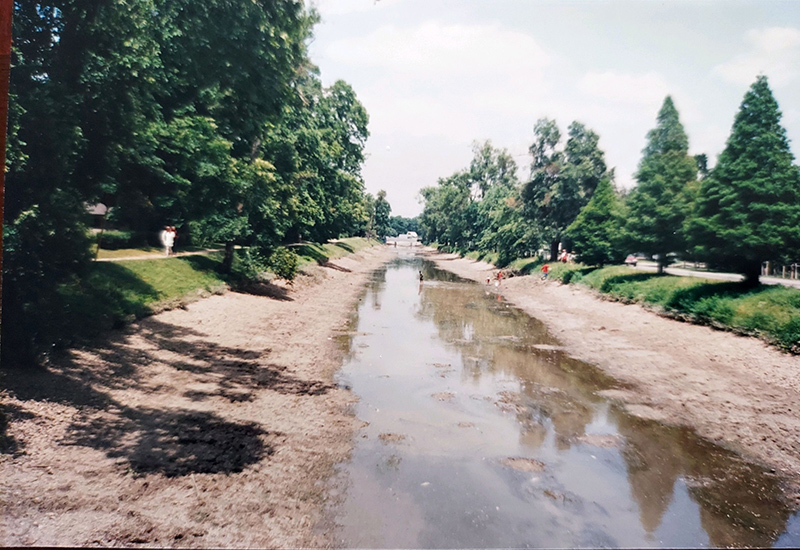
{"type": "Point", "coordinates": [736, 391]}
{"type": "Point", "coordinates": [216, 425]}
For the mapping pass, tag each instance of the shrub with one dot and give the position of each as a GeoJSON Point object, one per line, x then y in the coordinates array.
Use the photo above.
{"type": "Point", "coordinates": [283, 262]}
{"type": "Point", "coordinates": [114, 239]}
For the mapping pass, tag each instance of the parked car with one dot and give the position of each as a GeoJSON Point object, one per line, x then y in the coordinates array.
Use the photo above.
{"type": "Point", "coordinates": [630, 260]}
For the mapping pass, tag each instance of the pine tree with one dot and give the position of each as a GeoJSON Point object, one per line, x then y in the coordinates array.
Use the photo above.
{"type": "Point", "coordinates": [661, 201]}
{"type": "Point", "coordinates": [748, 209]}
{"type": "Point", "coordinates": [595, 233]}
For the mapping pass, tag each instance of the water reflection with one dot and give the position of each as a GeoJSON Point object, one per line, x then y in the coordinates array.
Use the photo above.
{"type": "Point", "coordinates": [484, 433]}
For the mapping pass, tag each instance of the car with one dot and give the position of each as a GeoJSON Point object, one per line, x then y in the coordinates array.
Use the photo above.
{"type": "Point", "coordinates": [630, 260]}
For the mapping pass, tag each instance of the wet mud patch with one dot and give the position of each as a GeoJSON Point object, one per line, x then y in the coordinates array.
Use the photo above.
{"type": "Point", "coordinates": [523, 464]}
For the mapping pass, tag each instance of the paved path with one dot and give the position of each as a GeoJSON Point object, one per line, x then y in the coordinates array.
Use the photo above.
{"type": "Point", "coordinates": [719, 276]}
{"type": "Point", "coordinates": [205, 252]}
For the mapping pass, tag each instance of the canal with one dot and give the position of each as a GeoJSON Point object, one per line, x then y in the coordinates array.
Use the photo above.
{"type": "Point", "coordinates": [480, 432]}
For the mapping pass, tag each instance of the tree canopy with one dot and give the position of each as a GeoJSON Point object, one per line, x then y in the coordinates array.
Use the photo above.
{"type": "Point", "coordinates": [748, 208]}
{"type": "Point", "coordinates": [660, 202]}
{"type": "Point", "coordinates": [207, 116]}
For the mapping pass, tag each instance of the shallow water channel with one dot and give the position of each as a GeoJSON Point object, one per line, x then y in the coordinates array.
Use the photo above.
{"type": "Point", "coordinates": [481, 432]}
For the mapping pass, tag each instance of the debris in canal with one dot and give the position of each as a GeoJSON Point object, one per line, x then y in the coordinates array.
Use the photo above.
{"type": "Point", "coordinates": [391, 437]}
{"type": "Point", "coordinates": [523, 464]}
{"type": "Point", "coordinates": [444, 396]}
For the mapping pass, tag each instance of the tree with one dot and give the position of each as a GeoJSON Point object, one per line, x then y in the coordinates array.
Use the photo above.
{"type": "Point", "coordinates": [561, 182]}
{"type": "Point", "coordinates": [596, 232]}
{"type": "Point", "coordinates": [748, 208]}
{"type": "Point", "coordinates": [659, 204]}
{"type": "Point", "coordinates": [382, 211]}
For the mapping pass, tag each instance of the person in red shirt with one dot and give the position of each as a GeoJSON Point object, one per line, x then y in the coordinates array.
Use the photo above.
{"type": "Point", "coordinates": [545, 271]}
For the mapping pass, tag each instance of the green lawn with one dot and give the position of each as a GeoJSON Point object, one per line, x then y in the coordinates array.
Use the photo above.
{"type": "Point", "coordinates": [310, 253]}
{"type": "Point", "coordinates": [114, 293]}
{"type": "Point", "coordinates": [767, 311]}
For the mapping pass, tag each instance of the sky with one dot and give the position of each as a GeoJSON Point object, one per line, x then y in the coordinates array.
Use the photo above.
{"type": "Point", "coordinates": [437, 75]}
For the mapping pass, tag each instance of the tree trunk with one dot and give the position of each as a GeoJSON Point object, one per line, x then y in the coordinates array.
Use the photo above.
{"type": "Point", "coordinates": [751, 272]}
{"type": "Point", "coordinates": [554, 250]}
{"type": "Point", "coordinates": [227, 261]}
{"type": "Point", "coordinates": [662, 262]}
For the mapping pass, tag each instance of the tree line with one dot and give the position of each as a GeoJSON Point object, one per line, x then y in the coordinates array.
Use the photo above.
{"type": "Point", "coordinates": [742, 212]}
{"type": "Point", "coordinates": [208, 116]}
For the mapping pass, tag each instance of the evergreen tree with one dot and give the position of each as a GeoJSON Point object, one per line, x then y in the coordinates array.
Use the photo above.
{"type": "Point", "coordinates": [661, 201]}
{"type": "Point", "coordinates": [748, 208]}
{"type": "Point", "coordinates": [596, 232]}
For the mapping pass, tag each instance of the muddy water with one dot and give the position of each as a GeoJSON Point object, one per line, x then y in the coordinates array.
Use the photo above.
{"type": "Point", "coordinates": [481, 432]}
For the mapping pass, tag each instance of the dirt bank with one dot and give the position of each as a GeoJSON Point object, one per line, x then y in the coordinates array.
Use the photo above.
{"type": "Point", "coordinates": [216, 425]}
{"type": "Point", "coordinates": [733, 390]}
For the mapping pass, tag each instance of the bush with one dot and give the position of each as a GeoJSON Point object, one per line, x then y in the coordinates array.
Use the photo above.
{"type": "Point", "coordinates": [283, 262]}
{"type": "Point", "coordinates": [114, 239]}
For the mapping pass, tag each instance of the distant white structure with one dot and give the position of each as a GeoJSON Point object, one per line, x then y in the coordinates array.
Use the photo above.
{"type": "Point", "coordinates": [406, 239]}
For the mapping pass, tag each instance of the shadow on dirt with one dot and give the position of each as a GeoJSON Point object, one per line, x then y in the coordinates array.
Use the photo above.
{"type": "Point", "coordinates": [264, 289]}
{"type": "Point", "coordinates": [173, 443]}
{"type": "Point", "coordinates": [331, 265]}
{"type": "Point", "coordinates": [170, 440]}
{"type": "Point", "coordinates": [8, 444]}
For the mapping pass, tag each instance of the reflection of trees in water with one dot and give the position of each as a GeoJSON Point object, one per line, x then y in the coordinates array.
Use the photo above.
{"type": "Point", "coordinates": [376, 285]}
{"type": "Point", "coordinates": [740, 504]}
{"type": "Point", "coordinates": [496, 339]}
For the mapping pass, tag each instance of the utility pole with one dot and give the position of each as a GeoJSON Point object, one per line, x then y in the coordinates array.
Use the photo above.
{"type": "Point", "coordinates": [6, 10]}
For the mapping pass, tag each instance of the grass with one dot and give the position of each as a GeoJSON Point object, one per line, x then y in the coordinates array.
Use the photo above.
{"type": "Point", "coordinates": [321, 253]}
{"type": "Point", "coordinates": [145, 251]}
{"type": "Point", "coordinates": [115, 293]}
{"type": "Point", "coordinates": [770, 312]}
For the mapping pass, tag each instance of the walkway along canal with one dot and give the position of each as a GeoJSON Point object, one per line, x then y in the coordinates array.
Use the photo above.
{"type": "Point", "coordinates": [479, 431]}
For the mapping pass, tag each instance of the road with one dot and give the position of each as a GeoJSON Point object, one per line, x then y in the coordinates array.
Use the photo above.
{"type": "Point", "coordinates": [651, 266]}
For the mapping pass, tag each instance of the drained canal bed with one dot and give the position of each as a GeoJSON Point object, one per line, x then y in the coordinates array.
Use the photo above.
{"type": "Point", "coordinates": [479, 431]}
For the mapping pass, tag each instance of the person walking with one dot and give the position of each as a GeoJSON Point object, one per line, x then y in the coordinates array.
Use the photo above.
{"type": "Point", "coordinates": [545, 271]}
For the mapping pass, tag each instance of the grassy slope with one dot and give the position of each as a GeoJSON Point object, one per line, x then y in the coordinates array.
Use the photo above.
{"type": "Point", "coordinates": [117, 292]}
{"type": "Point", "coordinates": [770, 312]}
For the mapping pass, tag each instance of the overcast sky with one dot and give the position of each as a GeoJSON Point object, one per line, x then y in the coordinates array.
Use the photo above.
{"type": "Point", "coordinates": [435, 75]}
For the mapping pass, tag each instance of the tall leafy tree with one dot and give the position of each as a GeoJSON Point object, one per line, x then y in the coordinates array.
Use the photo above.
{"type": "Point", "coordinates": [748, 208]}
{"type": "Point", "coordinates": [596, 232]}
{"type": "Point", "coordinates": [562, 181]}
{"type": "Point", "coordinates": [382, 211]}
{"type": "Point", "coordinates": [662, 199]}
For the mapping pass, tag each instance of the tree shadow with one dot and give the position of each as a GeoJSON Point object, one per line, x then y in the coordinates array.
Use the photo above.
{"type": "Point", "coordinates": [615, 280]}
{"type": "Point", "coordinates": [8, 411]}
{"type": "Point", "coordinates": [202, 263]}
{"type": "Point", "coordinates": [173, 442]}
{"type": "Point", "coordinates": [345, 246]}
{"type": "Point", "coordinates": [686, 299]}
{"type": "Point", "coordinates": [311, 251]}
{"type": "Point", "coordinates": [263, 288]}
{"type": "Point", "coordinates": [335, 267]}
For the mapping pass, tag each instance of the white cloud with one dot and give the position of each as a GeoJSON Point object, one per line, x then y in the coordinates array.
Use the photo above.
{"type": "Point", "coordinates": [433, 49]}
{"type": "Point", "coordinates": [774, 52]}
{"type": "Point", "coordinates": [644, 89]}
{"type": "Point", "coordinates": [452, 81]}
